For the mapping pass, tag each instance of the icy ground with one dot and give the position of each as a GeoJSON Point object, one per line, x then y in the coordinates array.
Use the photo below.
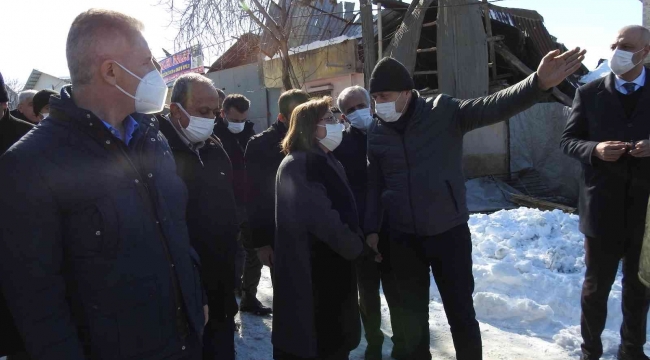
{"type": "Point", "coordinates": [528, 267]}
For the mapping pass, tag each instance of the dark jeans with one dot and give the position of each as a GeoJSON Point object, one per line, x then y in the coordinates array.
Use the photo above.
{"type": "Point", "coordinates": [249, 272]}
{"type": "Point", "coordinates": [370, 275]}
{"type": "Point", "coordinates": [602, 257]}
{"type": "Point", "coordinates": [449, 256]}
{"type": "Point", "coordinates": [337, 355]}
{"type": "Point", "coordinates": [219, 340]}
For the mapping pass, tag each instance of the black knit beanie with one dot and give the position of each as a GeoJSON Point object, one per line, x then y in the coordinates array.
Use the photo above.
{"type": "Point", "coordinates": [41, 99]}
{"type": "Point", "coordinates": [4, 95]}
{"type": "Point", "coordinates": [390, 75]}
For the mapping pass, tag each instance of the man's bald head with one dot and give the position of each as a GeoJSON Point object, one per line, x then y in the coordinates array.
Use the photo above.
{"type": "Point", "coordinates": [97, 35]}
{"type": "Point", "coordinates": [632, 38]}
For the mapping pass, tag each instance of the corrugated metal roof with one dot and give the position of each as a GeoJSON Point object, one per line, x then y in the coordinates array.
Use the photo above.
{"type": "Point", "coordinates": [323, 20]}
{"type": "Point", "coordinates": [531, 24]}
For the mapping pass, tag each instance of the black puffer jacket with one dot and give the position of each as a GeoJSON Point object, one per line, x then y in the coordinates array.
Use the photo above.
{"type": "Point", "coordinates": [417, 175]}
{"type": "Point", "coordinates": [263, 158]}
{"type": "Point", "coordinates": [235, 146]}
{"type": "Point", "coordinates": [352, 155]}
{"type": "Point", "coordinates": [11, 130]}
{"type": "Point", "coordinates": [211, 217]}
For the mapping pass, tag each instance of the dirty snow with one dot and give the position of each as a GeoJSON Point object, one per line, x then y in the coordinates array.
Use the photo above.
{"type": "Point", "coordinates": [601, 71]}
{"type": "Point", "coordinates": [528, 267]}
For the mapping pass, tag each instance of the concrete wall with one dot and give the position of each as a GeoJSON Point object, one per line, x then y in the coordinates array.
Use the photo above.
{"type": "Point", "coordinates": [246, 80]}
{"type": "Point", "coordinates": [322, 63]}
{"type": "Point", "coordinates": [484, 151]}
{"type": "Point", "coordinates": [338, 83]}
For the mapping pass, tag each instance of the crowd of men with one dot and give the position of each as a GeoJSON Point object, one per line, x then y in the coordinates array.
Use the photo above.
{"type": "Point", "coordinates": [128, 229]}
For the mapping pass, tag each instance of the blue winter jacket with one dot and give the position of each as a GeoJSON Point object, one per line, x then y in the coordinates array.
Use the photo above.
{"type": "Point", "coordinates": [95, 260]}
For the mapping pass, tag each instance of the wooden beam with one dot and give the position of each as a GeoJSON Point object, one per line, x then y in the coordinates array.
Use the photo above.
{"type": "Point", "coordinates": [433, 49]}
{"type": "Point", "coordinates": [521, 67]}
{"type": "Point", "coordinates": [368, 32]}
{"type": "Point", "coordinates": [432, 72]}
{"type": "Point", "coordinates": [495, 38]}
{"type": "Point", "coordinates": [488, 32]}
{"type": "Point", "coordinates": [430, 24]}
{"type": "Point", "coordinates": [531, 202]}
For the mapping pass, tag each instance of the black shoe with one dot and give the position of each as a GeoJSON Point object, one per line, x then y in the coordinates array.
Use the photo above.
{"type": "Point", "coordinates": [254, 306]}
{"type": "Point", "coordinates": [631, 354]}
{"type": "Point", "coordinates": [373, 353]}
{"type": "Point", "coordinates": [585, 357]}
{"type": "Point", "coordinates": [398, 353]}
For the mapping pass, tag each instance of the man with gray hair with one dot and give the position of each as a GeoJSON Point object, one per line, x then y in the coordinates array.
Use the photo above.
{"type": "Point", "coordinates": [355, 105]}
{"type": "Point", "coordinates": [211, 213]}
{"type": "Point", "coordinates": [24, 110]}
{"type": "Point", "coordinates": [608, 132]}
{"type": "Point", "coordinates": [95, 257]}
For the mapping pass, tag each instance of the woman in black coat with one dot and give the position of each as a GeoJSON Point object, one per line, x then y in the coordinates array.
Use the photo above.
{"type": "Point", "coordinates": [316, 313]}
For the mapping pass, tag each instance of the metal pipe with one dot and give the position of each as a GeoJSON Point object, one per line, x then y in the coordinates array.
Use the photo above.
{"type": "Point", "coordinates": [380, 32]}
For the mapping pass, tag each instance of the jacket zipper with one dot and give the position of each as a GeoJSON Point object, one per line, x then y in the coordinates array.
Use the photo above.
{"type": "Point", "coordinates": [182, 323]}
{"type": "Point", "coordinates": [408, 180]}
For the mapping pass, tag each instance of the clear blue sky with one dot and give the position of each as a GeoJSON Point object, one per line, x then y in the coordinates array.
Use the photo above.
{"type": "Point", "coordinates": [34, 31]}
{"type": "Point", "coordinates": [590, 24]}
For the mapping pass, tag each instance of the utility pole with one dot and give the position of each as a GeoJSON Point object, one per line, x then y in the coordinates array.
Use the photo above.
{"type": "Point", "coordinates": [368, 32]}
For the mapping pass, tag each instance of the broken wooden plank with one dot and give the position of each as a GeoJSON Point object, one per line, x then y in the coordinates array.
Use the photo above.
{"type": "Point", "coordinates": [430, 24]}
{"type": "Point", "coordinates": [403, 47]}
{"type": "Point", "coordinates": [521, 67]}
{"type": "Point", "coordinates": [531, 202]}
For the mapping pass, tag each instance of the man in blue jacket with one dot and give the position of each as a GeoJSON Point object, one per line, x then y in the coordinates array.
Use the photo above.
{"type": "Point", "coordinates": [95, 260]}
{"type": "Point", "coordinates": [415, 174]}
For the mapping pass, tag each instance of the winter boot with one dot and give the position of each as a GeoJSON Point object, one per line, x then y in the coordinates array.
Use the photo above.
{"type": "Point", "coordinates": [373, 352]}
{"type": "Point", "coordinates": [250, 304]}
{"type": "Point", "coordinates": [631, 354]}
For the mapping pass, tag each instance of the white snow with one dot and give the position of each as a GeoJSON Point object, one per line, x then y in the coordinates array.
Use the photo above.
{"type": "Point", "coordinates": [601, 71]}
{"type": "Point", "coordinates": [314, 45]}
{"type": "Point", "coordinates": [528, 266]}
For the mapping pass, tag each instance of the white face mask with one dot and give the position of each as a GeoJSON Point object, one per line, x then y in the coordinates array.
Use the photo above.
{"type": "Point", "coordinates": [360, 119]}
{"type": "Point", "coordinates": [151, 92]}
{"type": "Point", "coordinates": [386, 111]}
{"type": "Point", "coordinates": [236, 128]}
{"type": "Point", "coordinates": [199, 129]}
{"type": "Point", "coordinates": [334, 136]}
{"type": "Point", "coordinates": [621, 61]}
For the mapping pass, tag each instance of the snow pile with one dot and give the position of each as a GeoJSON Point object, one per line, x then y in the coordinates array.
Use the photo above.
{"type": "Point", "coordinates": [529, 267]}
{"type": "Point", "coordinates": [601, 71]}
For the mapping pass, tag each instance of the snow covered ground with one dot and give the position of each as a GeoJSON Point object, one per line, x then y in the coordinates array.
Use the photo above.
{"type": "Point", "coordinates": [528, 267]}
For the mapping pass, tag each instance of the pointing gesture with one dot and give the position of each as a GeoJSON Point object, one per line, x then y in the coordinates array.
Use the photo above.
{"type": "Point", "coordinates": [555, 67]}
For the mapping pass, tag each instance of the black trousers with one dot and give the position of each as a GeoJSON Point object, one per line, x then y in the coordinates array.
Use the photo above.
{"type": "Point", "coordinates": [340, 354]}
{"type": "Point", "coordinates": [371, 276]}
{"type": "Point", "coordinates": [219, 340]}
{"type": "Point", "coordinates": [602, 257]}
{"type": "Point", "coordinates": [449, 256]}
{"type": "Point", "coordinates": [249, 272]}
